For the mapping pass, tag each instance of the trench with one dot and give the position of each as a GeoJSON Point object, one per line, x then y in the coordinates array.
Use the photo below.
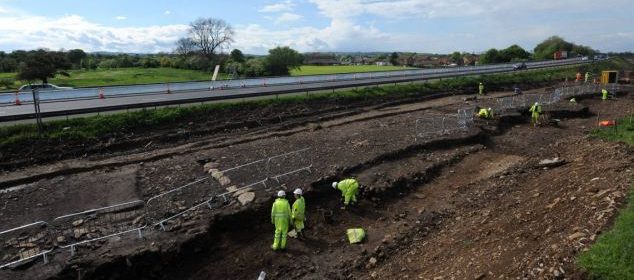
{"type": "Point", "coordinates": [246, 226]}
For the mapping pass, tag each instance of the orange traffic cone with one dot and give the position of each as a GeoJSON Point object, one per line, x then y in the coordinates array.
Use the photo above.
{"type": "Point", "coordinates": [101, 95]}
{"type": "Point", "coordinates": [17, 99]}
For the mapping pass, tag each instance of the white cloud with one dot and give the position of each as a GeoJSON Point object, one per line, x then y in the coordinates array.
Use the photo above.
{"type": "Point", "coordinates": [73, 31]}
{"type": "Point", "coordinates": [168, 12]}
{"type": "Point", "coordinates": [285, 6]}
{"type": "Point", "coordinates": [287, 17]}
{"type": "Point", "coordinates": [120, 18]}
{"type": "Point", "coordinates": [3, 10]}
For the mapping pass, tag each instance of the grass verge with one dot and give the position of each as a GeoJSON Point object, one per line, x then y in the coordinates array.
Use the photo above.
{"type": "Point", "coordinates": [95, 127]}
{"type": "Point", "coordinates": [612, 257]}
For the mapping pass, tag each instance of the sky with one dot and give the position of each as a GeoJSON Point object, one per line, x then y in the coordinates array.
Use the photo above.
{"type": "Point", "coordinates": [423, 26]}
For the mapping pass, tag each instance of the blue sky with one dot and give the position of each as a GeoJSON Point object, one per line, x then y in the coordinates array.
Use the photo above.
{"type": "Point", "coordinates": [437, 26]}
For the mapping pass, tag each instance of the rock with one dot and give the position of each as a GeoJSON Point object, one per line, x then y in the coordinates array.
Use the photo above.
{"type": "Point", "coordinates": [246, 198]}
{"type": "Point", "coordinates": [576, 235]}
{"type": "Point", "coordinates": [554, 162]}
{"type": "Point", "coordinates": [386, 239]}
{"type": "Point", "coordinates": [240, 192]}
{"type": "Point", "coordinates": [77, 233]}
{"type": "Point", "coordinates": [215, 173]}
{"type": "Point", "coordinates": [480, 276]}
{"type": "Point", "coordinates": [232, 189]}
{"type": "Point", "coordinates": [550, 206]}
{"type": "Point", "coordinates": [210, 165]}
{"type": "Point", "coordinates": [372, 262]}
{"type": "Point", "coordinates": [138, 219]}
{"type": "Point", "coordinates": [61, 239]}
{"type": "Point", "coordinates": [224, 181]}
{"type": "Point", "coordinates": [78, 222]}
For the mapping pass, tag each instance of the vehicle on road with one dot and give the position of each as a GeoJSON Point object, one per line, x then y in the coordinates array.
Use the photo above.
{"type": "Point", "coordinates": [519, 66]}
{"type": "Point", "coordinates": [42, 87]}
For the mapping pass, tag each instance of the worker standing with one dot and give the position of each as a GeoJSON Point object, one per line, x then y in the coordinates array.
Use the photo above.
{"type": "Point", "coordinates": [280, 217]}
{"type": "Point", "coordinates": [481, 89]}
{"type": "Point", "coordinates": [578, 77]}
{"type": "Point", "coordinates": [604, 93]}
{"type": "Point", "coordinates": [587, 77]}
{"type": "Point", "coordinates": [536, 110]}
{"type": "Point", "coordinates": [349, 189]}
{"type": "Point", "coordinates": [299, 212]}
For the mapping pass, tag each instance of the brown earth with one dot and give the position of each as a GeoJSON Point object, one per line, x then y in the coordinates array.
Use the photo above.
{"type": "Point", "coordinates": [467, 205]}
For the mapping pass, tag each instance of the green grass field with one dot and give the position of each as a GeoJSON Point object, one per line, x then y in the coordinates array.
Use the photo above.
{"type": "Point", "coordinates": [123, 76]}
{"type": "Point", "coordinates": [612, 257]}
{"type": "Point", "coordinates": [130, 76]}
{"type": "Point", "coordinates": [317, 70]}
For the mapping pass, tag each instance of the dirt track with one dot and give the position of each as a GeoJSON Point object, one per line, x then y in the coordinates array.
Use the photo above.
{"type": "Point", "coordinates": [469, 205]}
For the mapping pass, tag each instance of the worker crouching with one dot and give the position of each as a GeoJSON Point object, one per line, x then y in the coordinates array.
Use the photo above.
{"type": "Point", "coordinates": [280, 217]}
{"type": "Point", "coordinates": [349, 189]}
{"type": "Point", "coordinates": [485, 113]}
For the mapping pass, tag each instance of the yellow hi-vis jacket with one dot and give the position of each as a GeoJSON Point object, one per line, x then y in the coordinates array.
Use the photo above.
{"type": "Point", "coordinates": [281, 213]}
{"type": "Point", "coordinates": [299, 209]}
{"type": "Point", "coordinates": [349, 189]}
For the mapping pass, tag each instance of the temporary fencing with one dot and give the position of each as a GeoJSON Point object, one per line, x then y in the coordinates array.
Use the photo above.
{"type": "Point", "coordinates": [283, 168]}
{"type": "Point", "coordinates": [436, 125]}
{"type": "Point", "coordinates": [93, 225]}
{"type": "Point", "coordinates": [174, 201]}
{"type": "Point", "coordinates": [25, 243]}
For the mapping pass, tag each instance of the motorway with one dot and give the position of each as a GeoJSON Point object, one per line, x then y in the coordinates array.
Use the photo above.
{"type": "Point", "coordinates": [70, 106]}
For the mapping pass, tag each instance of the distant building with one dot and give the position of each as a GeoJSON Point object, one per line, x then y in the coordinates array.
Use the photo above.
{"type": "Point", "coordinates": [320, 59]}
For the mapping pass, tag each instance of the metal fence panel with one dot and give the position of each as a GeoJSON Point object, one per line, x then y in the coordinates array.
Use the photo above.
{"type": "Point", "coordinates": [179, 199]}
{"type": "Point", "coordinates": [286, 167]}
{"type": "Point", "coordinates": [25, 243]}
{"type": "Point", "coordinates": [97, 223]}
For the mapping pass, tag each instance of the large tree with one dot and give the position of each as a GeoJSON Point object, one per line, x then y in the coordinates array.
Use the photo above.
{"type": "Point", "coordinates": [281, 60]}
{"type": "Point", "coordinates": [185, 47]}
{"type": "Point", "coordinates": [208, 36]}
{"type": "Point", "coordinates": [237, 56]}
{"type": "Point", "coordinates": [76, 57]}
{"type": "Point", "coordinates": [548, 47]}
{"type": "Point", "coordinates": [514, 53]}
{"type": "Point", "coordinates": [42, 65]}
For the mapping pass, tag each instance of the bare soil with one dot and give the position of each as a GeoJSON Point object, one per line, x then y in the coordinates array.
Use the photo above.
{"type": "Point", "coordinates": [466, 205]}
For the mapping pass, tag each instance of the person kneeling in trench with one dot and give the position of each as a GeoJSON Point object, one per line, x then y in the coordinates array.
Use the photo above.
{"type": "Point", "coordinates": [485, 113]}
{"type": "Point", "coordinates": [349, 189]}
{"type": "Point", "coordinates": [281, 218]}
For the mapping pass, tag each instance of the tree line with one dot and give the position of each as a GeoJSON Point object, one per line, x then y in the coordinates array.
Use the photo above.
{"type": "Point", "coordinates": [206, 44]}
{"type": "Point", "coordinates": [543, 50]}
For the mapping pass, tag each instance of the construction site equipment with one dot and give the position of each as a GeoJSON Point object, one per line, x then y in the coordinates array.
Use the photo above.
{"type": "Point", "coordinates": [355, 235]}
{"type": "Point", "coordinates": [607, 123]}
{"type": "Point", "coordinates": [609, 77]}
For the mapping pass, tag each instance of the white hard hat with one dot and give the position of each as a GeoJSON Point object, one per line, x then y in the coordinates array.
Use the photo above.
{"type": "Point", "coordinates": [281, 194]}
{"type": "Point", "coordinates": [489, 108]}
{"type": "Point", "coordinates": [298, 191]}
{"type": "Point", "coordinates": [334, 185]}
{"type": "Point", "coordinates": [536, 103]}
